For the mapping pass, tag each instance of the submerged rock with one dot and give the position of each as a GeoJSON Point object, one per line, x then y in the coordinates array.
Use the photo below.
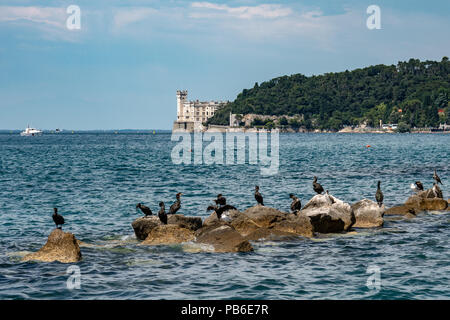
{"type": "Point", "coordinates": [168, 234]}
{"type": "Point", "coordinates": [368, 214]}
{"type": "Point", "coordinates": [329, 214]}
{"type": "Point", "coordinates": [144, 225]}
{"type": "Point", "coordinates": [223, 237]}
{"type": "Point", "coordinates": [61, 246]}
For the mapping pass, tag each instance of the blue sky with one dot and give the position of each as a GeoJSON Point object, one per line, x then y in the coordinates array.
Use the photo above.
{"type": "Point", "coordinates": [122, 68]}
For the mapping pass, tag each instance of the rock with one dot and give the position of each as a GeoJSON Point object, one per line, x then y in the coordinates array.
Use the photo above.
{"type": "Point", "coordinates": [144, 225]}
{"type": "Point", "coordinates": [329, 214]}
{"type": "Point", "coordinates": [263, 221]}
{"type": "Point", "coordinates": [398, 210]}
{"type": "Point", "coordinates": [61, 246]}
{"type": "Point", "coordinates": [368, 214]}
{"type": "Point", "coordinates": [168, 234]}
{"type": "Point", "coordinates": [223, 238]}
{"type": "Point", "coordinates": [191, 223]}
{"type": "Point", "coordinates": [419, 203]}
{"type": "Point", "coordinates": [226, 216]}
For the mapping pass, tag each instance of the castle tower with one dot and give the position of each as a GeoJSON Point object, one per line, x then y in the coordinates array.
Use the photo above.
{"type": "Point", "coordinates": [181, 100]}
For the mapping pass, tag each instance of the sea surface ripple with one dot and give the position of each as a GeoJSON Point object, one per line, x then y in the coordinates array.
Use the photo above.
{"type": "Point", "coordinates": [97, 179]}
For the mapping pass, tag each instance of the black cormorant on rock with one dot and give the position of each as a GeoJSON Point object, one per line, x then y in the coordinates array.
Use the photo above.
{"type": "Point", "coordinates": [145, 210]}
{"type": "Point", "coordinates": [436, 177]}
{"type": "Point", "coordinates": [162, 213]}
{"type": "Point", "coordinates": [57, 218]}
{"type": "Point", "coordinates": [296, 204]}
{"type": "Point", "coordinates": [221, 200]}
{"type": "Point", "coordinates": [317, 186]}
{"type": "Point", "coordinates": [419, 185]}
{"type": "Point", "coordinates": [379, 195]}
{"type": "Point", "coordinates": [220, 210]}
{"type": "Point", "coordinates": [258, 196]}
{"type": "Point", "coordinates": [176, 205]}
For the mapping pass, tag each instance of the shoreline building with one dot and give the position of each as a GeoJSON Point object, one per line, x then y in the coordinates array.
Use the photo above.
{"type": "Point", "coordinates": [192, 114]}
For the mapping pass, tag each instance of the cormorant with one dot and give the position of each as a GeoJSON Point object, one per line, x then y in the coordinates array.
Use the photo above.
{"type": "Point", "coordinates": [317, 187]}
{"type": "Point", "coordinates": [436, 177]}
{"type": "Point", "coordinates": [258, 196]}
{"type": "Point", "coordinates": [417, 186]}
{"type": "Point", "coordinates": [220, 210]}
{"type": "Point", "coordinates": [437, 191]}
{"type": "Point", "coordinates": [145, 210]}
{"type": "Point", "coordinates": [221, 200]}
{"type": "Point", "coordinates": [176, 205]}
{"type": "Point", "coordinates": [296, 203]}
{"type": "Point", "coordinates": [57, 218]}
{"type": "Point", "coordinates": [162, 213]}
{"type": "Point", "coordinates": [379, 195]}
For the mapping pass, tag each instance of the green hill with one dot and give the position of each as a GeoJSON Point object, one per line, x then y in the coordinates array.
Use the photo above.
{"type": "Point", "coordinates": [411, 93]}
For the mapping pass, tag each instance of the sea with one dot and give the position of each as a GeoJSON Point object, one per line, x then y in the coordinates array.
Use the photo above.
{"type": "Point", "coordinates": [96, 180]}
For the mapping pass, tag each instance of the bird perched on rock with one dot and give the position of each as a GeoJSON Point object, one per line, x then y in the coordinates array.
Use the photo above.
{"type": "Point", "coordinates": [258, 196]}
{"type": "Point", "coordinates": [317, 186]}
{"type": "Point", "coordinates": [379, 195]}
{"type": "Point", "coordinates": [221, 200]}
{"type": "Point", "coordinates": [330, 197]}
{"type": "Point", "coordinates": [176, 205]}
{"type": "Point", "coordinates": [296, 203]}
{"type": "Point", "coordinates": [437, 191]}
{"type": "Point", "coordinates": [417, 186]}
{"type": "Point", "coordinates": [220, 210]}
{"type": "Point", "coordinates": [436, 177]}
{"type": "Point", "coordinates": [57, 218]}
{"type": "Point", "coordinates": [162, 213]}
{"type": "Point", "coordinates": [145, 210]}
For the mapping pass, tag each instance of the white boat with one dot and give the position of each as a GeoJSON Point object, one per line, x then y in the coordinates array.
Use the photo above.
{"type": "Point", "coordinates": [30, 132]}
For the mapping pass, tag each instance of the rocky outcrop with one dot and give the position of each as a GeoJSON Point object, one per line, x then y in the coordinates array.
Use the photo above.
{"type": "Point", "coordinates": [168, 234]}
{"type": "Point", "coordinates": [422, 201]}
{"type": "Point", "coordinates": [61, 246]}
{"type": "Point", "coordinates": [262, 220]}
{"type": "Point", "coordinates": [223, 237]}
{"type": "Point", "coordinates": [368, 214]}
{"type": "Point", "coordinates": [329, 214]}
{"type": "Point", "coordinates": [144, 225]}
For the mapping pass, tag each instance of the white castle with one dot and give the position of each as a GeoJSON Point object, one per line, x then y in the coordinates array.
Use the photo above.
{"type": "Point", "coordinates": [192, 114]}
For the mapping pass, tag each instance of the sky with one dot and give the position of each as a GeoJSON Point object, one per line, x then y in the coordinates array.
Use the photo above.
{"type": "Point", "coordinates": [122, 68]}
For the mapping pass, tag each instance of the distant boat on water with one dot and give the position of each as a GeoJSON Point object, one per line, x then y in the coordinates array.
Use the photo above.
{"type": "Point", "coordinates": [30, 132]}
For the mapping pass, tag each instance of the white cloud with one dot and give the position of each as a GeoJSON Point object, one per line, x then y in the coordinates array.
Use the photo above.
{"type": "Point", "coordinates": [123, 17]}
{"type": "Point", "coordinates": [41, 15]}
{"type": "Point", "coordinates": [270, 11]}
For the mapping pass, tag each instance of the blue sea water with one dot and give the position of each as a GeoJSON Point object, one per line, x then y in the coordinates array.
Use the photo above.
{"type": "Point", "coordinates": [97, 179]}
